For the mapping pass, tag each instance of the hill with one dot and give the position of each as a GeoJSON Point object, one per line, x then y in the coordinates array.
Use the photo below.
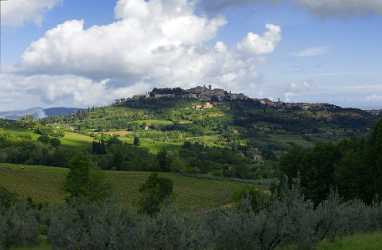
{"type": "Point", "coordinates": [195, 131]}
{"type": "Point", "coordinates": [45, 185]}
{"type": "Point", "coordinates": [215, 117]}
{"type": "Point", "coordinates": [38, 113]}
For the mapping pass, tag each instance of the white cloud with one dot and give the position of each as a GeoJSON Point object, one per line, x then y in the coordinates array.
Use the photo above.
{"type": "Point", "coordinates": [148, 38]}
{"type": "Point", "coordinates": [312, 52]}
{"type": "Point", "coordinates": [295, 89]}
{"type": "Point", "coordinates": [58, 90]}
{"type": "Point", "coordinates": [343, 7]}
{"type": "Point", "coordinates": [150, 44]}
{"type": "Point", "coordinates": [265, 44]}
{"type": "Point", "coordinates": [19, 12]}
{"type": "Point", "coordinates": [43, 90]}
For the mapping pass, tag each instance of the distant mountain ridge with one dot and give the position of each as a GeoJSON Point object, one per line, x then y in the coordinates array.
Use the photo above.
{"type": "Point", "coordinates": [38, 113]}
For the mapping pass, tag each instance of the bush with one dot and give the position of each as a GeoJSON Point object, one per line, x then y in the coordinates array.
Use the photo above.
{"type": "Point", "coordinates": [257, 199]}
{"type": "Point", "coordinates": [7, 199]}
{"type": "Point", "coordinates": [18, 226]}
{"type": "Point", "coordinates": [288, 219]}
{"type": "Point", "coordinates": [90, 226]}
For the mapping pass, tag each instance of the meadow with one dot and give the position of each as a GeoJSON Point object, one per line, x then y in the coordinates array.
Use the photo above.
{"type": "Point", "coordinates": [45, 185]}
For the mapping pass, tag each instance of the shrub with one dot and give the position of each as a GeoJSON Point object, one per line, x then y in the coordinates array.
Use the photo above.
{"type": "Point", "coordinates": [18, 225]}
{"type": "Point", "coordinates": [7, 199]}
{"type": "Point", "coordinates": [257, 199]}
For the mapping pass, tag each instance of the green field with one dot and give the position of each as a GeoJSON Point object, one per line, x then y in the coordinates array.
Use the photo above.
{"type": "Point", "coordinates": [76, 140]}
{"type": "Point", "coordinates": [370, 241]}
{"type": "Point", "coordinates": [45, 185]}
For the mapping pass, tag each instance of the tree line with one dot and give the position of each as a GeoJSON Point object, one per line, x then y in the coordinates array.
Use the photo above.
{"type": "Point", "coordinates": [353, 167]}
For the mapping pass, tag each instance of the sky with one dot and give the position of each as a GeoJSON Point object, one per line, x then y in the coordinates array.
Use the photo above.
{"type": "Point", "coordinates": [88, 53]}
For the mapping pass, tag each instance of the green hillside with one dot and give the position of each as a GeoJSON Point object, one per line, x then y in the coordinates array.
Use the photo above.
{"type": "Point", "coordinates": [169, 122]}
{"type": "Point", "coordinates": [45, 185]}
{"type": "Point", "coordinates": [207, 134]}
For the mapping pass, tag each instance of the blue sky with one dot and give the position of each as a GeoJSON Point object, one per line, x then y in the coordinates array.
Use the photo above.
{"type": "Point", "coordinates": [314, 53]}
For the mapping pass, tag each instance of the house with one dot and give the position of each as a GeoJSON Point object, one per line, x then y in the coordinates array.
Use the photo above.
{"type": "Point", "coordinates": [205, 106]}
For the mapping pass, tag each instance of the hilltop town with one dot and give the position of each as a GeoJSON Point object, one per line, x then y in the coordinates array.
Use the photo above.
{"type": "Point", "coordinates": [202, 93]}
{"type": "Point", "coordinates": [215, 95]}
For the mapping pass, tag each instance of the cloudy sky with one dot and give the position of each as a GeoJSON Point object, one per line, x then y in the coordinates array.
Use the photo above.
{"type": "Point", "coordinates": [84, 53]}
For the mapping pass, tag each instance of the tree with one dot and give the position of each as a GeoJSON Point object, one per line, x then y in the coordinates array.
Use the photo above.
{"type": "Point", "coordinates": [314, 167]}
{"type": "Point", "coordinates": [373, 161]}
{"type": "Point", "coordinates": [352, 167]}
{"type": "Point", "coordinates": [136, 141]}
{"type": "Point", "coordinates": [44, 139]}
{"type": "Point", "coordinates": [55, 142]}
{"type": "Point", "coordinates": [154, 192]}
{"type": "Point", "coordinates": [164, 160]}
{"type": "Point", "coordinates": [99, 147]}
{"type": "Point", "coordinates": [84, 182]}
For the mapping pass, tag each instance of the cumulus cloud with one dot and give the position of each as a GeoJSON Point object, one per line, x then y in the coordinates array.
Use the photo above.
{"type": "Point", "coordinates": [312, 52]}
{"type": "Point", "coordinates": [152, 43]}
{"type": "Point", "coordinates": [149, 37]}
{"type": "Point", "coordinates": [259, 45]}
{"type": "Point", "coordinates": [19, 12]}
{"type": "Point", "coordinates": [342, 7]}
{"type": "Point", "coordinates": [46, 89]}
{"type": "Point", "coordinates": [61, 90]}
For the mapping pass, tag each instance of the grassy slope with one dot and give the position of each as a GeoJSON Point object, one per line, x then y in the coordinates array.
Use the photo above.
{"type": "Point", "coordinates": [370, 241]}
{"type": "Point", "coordinates": [76, 140]}
{"type": "Point", "coordinates": [44, 184]}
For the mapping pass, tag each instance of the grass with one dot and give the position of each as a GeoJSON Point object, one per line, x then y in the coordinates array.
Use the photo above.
{"type": "Point", "coordinates": [19, 132]}
{"type": "Point", "coordinates": [369, 241]}
{"type": "Point", "coordinates": [372, 241]}
{"type": "Point", "coordinates": [76, 140]}
{"type": "Point", "coordinates": [44, 184]}
{"type": "Point", "coordinates": [43, 246]}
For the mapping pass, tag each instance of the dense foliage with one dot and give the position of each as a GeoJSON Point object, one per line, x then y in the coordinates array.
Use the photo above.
{"type": "Point", "coordinates": [353, 167]}
{"type": "Point", "coordinates": [23, 149]}
{"type": "Point", "coordinates": [286, 219]}
{"type": "Point", "coordinates": [19, 221]}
